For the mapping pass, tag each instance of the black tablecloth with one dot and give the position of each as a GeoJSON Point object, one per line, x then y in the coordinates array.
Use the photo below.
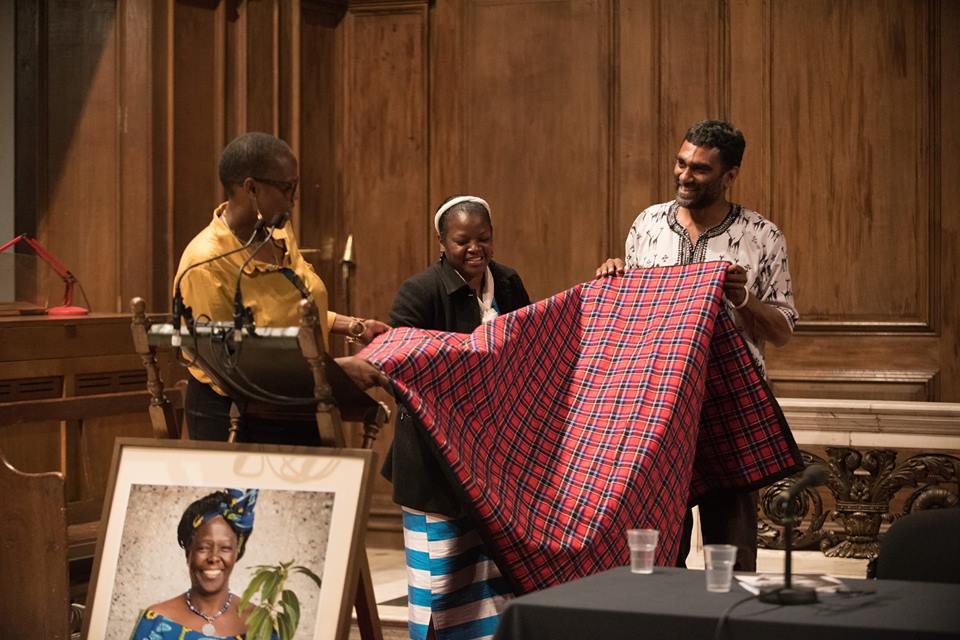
{"type": "Point", "coordinates": [674, 603]}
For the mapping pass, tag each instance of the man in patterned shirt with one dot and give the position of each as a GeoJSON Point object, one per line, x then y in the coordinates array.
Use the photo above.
{"type": "Point", "coordinates": [701, 225]}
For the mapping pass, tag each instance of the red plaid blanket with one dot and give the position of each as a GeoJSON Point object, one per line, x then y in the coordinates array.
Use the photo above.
{"type": "Point", "coordinates": [606, 407]}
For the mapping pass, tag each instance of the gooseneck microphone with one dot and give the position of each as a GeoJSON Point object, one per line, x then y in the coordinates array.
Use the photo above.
{"type": "Point", "coordinates": [242, 315]}
{"type": "Point", "coordinates": [813, 476]}
{"type": "Point", "coordinates": [182, 312]}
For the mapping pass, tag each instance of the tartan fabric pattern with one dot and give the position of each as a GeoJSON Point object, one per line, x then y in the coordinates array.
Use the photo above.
{"type": "Point", "coordinates": [605, 407]}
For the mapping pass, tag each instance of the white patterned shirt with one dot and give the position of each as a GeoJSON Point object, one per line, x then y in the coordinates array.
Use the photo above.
{"type": "Point", "coordinates": [744, 237]}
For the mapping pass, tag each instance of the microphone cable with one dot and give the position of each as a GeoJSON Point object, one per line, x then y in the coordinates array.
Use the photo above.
{"type": "Point", "coordinates": [229, 361]}
{"type": "Point", "coordinates": [242, 315]}
{"type": "Point", "coordinates": [180, 311]}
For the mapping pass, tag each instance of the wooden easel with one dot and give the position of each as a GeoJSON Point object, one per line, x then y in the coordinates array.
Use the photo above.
{"type": "Point", "coordinates": [334, 399]}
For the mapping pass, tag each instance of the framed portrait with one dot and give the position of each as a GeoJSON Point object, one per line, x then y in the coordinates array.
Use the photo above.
{"type": "Point", "coordinates": [272, 532]}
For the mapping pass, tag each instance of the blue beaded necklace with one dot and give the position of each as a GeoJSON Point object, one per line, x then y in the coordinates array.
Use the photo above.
{"type": "Point", "coordinates": [208, 629]}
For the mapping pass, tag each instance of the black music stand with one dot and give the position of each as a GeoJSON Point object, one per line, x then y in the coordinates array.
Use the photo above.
{"type": "Point", "coordinates": [278, 373]}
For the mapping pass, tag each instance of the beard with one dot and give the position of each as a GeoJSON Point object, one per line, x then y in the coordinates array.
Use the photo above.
{"type": "Point", "coordinates": [701, 196]}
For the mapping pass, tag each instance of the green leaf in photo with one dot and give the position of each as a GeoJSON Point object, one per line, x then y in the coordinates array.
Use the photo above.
{"type": "Point", "coordinates": [278, 611]}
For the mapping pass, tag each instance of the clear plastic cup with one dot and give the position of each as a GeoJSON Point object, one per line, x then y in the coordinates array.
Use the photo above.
{"type": "Point", "coordinates": [643, 548]}
{"type": "Point", "coordinates": [718, 560]}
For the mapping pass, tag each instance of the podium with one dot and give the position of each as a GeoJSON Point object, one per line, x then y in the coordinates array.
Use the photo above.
{"type": "Point", "coordinates": [274, 373]}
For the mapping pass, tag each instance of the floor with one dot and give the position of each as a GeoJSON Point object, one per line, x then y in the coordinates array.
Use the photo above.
{"type": "Point", "coordinates": [390, 579]}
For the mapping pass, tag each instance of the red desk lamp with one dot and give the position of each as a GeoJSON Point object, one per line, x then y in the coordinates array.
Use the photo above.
{"type": "Point", "coordinates": [67, 308]}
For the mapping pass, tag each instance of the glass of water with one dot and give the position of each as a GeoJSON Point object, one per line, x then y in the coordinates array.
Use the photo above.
{"type": "Point", "coordinates": [643, 548]}
{"type": "Point", "coordinates": [718, 561]}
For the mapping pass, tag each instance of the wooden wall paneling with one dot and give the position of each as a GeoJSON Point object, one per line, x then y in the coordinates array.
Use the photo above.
{"type": "Point", "coordinates": [289, 77]}
{"type": "Point", "coordinates": [641, 161]}
{"type": "Point", "coordinates": [261, 38]}
{"type": "Point", "coordinates": [870, 384]}
{"type": "Point", "coordinates": [383, 148]}
{"type": "Point", "coordinates": [258, 60]}
{"type": "Point", "coordinates": [871, 198]}
{"type": "Point", "coordinates": [198, 59]}
{"type": "Point", "coordinates": [30, 132]}
{"type": "Point", "coordinates": [945, 249]}
{"type": "Point", "coordinates": [43, 377]}
{"type": "Point", "coordinates": [316, 135]}
{"type": "Point", "coordinates": [70, 463]}
{"type": "Point", "coordinates": [79, 222]}
{"type": "Point", "coordinates": [666, 72]}
{"type": "Point", "coordinates": [836, 365]}
{"type": "Point", "coordinates": [137, 264]}
{"type": "Point", "coordinates": [32, 340]}
{"type": "Point", "coordinates": [749, 68]}
{"type": "Point", "coordinates": [693, 58]}
{"type": "Point", "coordinates": [166, 254]}
{"type": "Point", "coordinates": [94, 454]}
{"type": "Point", "coordinates": [382, 156]}
{"type": "Point", "coordinates": [30, 104]}
{"type": "Point", "coordinates": [850, 158]}
{"type": "Point", "coordinates": [236, 42]}
{"type": "Point", "coordinates": [447, 109]}
{"type": "Point", "coordinates": [534, 79]}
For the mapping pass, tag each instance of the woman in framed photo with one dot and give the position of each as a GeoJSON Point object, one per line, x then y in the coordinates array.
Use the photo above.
{"type": "Point", "coordinates": [213, 532]}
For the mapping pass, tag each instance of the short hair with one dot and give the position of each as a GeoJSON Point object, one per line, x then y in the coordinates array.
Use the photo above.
{"type": "Point", "coordinates": [468, 207]}
{"type": "Point", "coordinates": [721, 135]}
{"type": "Point", "coordinates": [199, 508]}
{"type": "Point", "coordinates": [250, 155]}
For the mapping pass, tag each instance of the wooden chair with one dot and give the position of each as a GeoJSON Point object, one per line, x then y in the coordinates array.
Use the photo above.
{"type": "Point", "coordinates": [923, 545]}
{"type": "Point", "coordinates": [335, 399]}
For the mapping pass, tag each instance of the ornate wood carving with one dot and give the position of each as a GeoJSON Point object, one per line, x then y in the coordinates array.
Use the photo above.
{"type": "Point", "coordinates": [863, 485]}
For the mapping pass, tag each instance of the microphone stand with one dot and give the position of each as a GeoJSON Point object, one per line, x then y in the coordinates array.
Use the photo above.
{"type": "Point", "coordinates": [183, 312]}
{"type": "Point", "coordinates": [788, 594]}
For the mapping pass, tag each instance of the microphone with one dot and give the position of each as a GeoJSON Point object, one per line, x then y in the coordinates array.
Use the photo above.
{"type": "Point", "coordinates": [243, 316]}
{"type": "Point", "coordinates": [183, 312]}
{"type": "Point", "coordinates": [813, 476]}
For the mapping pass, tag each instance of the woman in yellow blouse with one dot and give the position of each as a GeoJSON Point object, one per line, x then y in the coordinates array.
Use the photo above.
{"type": "Point", "coordinates": [261, 176]}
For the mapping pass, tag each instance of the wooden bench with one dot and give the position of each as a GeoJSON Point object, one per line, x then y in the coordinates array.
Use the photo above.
{"type": "Point", "coordinates": [34, 590]}
{"type": "Point", "coordinates": [80, 513]}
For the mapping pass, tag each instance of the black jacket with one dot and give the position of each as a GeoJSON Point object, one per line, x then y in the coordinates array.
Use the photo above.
{"type": "Point", "coordinates": [437, 299]}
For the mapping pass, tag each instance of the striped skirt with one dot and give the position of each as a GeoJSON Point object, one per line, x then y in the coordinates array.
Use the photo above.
{"type": "Point", "coordinates": [450, 579]}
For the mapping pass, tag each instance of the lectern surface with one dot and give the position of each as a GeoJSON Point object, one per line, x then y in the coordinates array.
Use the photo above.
{"type": "Point", "coordinates": [269, 361]}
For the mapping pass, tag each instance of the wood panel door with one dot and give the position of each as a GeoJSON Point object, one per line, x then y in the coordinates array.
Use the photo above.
{"type": "Point", "coordinates": [844, 99]}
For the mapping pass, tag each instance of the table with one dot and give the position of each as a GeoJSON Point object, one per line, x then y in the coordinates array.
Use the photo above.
{"type": "Point", "coordinates": [673, 603]}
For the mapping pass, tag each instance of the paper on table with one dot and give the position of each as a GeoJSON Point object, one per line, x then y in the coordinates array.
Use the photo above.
{"type": "Point", "coordinates": [756, 584]}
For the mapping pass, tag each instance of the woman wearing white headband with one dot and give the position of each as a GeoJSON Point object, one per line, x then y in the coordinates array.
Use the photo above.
{"type": "Point", "coordinates": [455, 589]}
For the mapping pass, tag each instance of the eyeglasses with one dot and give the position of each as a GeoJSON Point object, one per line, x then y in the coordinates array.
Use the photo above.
{"type": "Point", "coordinates": [288, 189]}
